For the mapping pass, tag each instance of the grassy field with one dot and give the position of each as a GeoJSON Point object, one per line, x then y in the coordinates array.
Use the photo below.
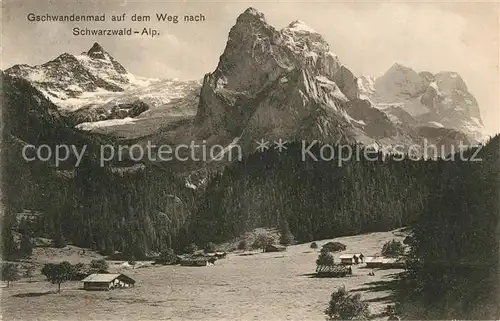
{"type": "Point", "coordinates": [253, 286]}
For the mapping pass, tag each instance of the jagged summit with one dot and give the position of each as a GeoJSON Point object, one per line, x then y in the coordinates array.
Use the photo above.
{"type": "Point", "coordinates": [98, 58]}
{"type": "Point", "coordinates": [252, 11]}
{"type": "Point", "coordinates": [251, 14]}
{"type": "Point", "coordinates": [300, 26]}
{"type": "Point", "coordinates": [276, 82]}
{"type": "Point", "coordinates": [97, 51]}
{"type": "Point", "coordinates": [400, 68]}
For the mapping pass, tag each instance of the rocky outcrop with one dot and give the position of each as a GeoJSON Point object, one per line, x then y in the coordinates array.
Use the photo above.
{"type": "Point", "coordinates": [128, 110]}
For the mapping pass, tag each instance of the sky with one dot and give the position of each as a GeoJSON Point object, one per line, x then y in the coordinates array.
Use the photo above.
{"type": "Point", "coordinates": [367, 36]}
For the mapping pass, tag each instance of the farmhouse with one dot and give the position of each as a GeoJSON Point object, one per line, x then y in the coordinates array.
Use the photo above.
{"type": "Point", "coordinates": [106, 282]}
{"type": "Point", "coordinates": [380, 262]}
{"type": "Point", "coordinates": [355, 258]}
{"type": "Point", "coordinates": [393, 263]}
{"type": "Point", "coordinates": [275, 248]}
{"type": "Point", "coordinates": [374, 262]}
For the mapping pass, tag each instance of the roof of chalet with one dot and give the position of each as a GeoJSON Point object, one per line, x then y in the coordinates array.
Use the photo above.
{"type": "Point", "coordinates": [374, 259]}
{"type": "Point", "coordinates": [106, 277]}
{"type": "Point", "coordinates": [383, 260]}
{"type": "Point", "coordinates": [350, 256]}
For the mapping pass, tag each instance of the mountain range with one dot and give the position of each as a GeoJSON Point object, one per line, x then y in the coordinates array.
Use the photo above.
{"type": "Point", "coordinates": [268, 84]}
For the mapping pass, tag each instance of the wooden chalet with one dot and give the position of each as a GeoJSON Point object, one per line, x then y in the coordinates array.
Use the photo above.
{"type": "Point", "coordinates": [380, 262]}
{"type": "Point", "coordinates": [350, 259]}
{"type": "Point", "coordinates": [107, 281]}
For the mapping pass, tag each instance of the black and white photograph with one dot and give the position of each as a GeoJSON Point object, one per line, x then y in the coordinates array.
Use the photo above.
{"type": "Point", "coordinates": [240, 160]}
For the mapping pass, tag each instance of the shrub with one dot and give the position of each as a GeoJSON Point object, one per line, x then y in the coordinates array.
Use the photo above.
{"type": "Point", "coordinates": [58, 273]}
{"type": "Point", "coordinates": [59, 241]}
{"type": "Point", "coordinates": [344, 306]}
{"type": "Point", "coordinates": [79, 271]}
{"type": "Point", "coordinates": [30, 271]}
{"type": "Point", "coordinates": [243, 245]}
{"type": "Point", "coordinates": [262, 241]}
{"type": "Point", "coordinates": [167, 257]}
{"type": "Point", "coordinates": [393, 248]}
{"type": "Point", "coordinates": [286, 236]}
{"type": "Point", "coordinates": [97, 266]}
{"type": "Point", "coordinates": [334, 247]}
{"type": "Point", "coordinates": [191, 248]}
{"type": "Point", "coordinates": [325, 258]}
{"type": "Point", "coordinates": [210, 248]}
{"type": "Point", "coordinates": [9, 273]}
{"type": "Point", "coordinates": [26, 246]}
{"type": "Point", "coordinates": [314, 245]}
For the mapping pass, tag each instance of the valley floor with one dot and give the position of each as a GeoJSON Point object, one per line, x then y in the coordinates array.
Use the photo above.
{"type": "Point", "coordinates": [254, 286]}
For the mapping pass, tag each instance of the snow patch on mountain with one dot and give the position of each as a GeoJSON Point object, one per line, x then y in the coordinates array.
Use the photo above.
{"type": "Point", "coordinates": [93, 86]}
{"type": "Point", "coordinates": [300, 26]}
{"type": "Point", "coordinates": [88, 126]}
{"type": "Point", "coordinates": [436, 124]}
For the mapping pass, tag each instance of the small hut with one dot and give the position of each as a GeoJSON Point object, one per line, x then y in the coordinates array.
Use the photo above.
{"type": "Point", "coordinates": [350, 259]}
{"type": "Point", "coordinates": [106, 282]}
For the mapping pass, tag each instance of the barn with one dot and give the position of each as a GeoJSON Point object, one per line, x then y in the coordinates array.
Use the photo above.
{"type": "Point", "coordinates": [393, 263]}
{"type": "Point", "coordinates": [374, 262]}
{"type": "Point", "coordinates": [381, 262]}
{"type": "Point", "coordinates": [107, 281]}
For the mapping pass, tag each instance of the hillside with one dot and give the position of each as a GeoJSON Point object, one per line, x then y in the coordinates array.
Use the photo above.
{"type": "Point", "coordinates": [262, 286]}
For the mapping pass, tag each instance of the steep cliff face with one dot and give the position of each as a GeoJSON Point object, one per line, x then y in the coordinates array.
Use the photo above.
{"type": "Point", "coordinates": [272, 84]}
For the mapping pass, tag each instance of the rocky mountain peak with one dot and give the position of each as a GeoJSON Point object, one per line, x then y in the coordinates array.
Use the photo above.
{"type": "Point", "coordinates": [65, 57]}
{"type": "Point", "coordinates": [251, 14]}
{"type": "Point", "coordinates": [260, 62]}
{"type": "Point", "coordinates": [97, 52]}
{"type": "Point", "coordinates": [99, 57]}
